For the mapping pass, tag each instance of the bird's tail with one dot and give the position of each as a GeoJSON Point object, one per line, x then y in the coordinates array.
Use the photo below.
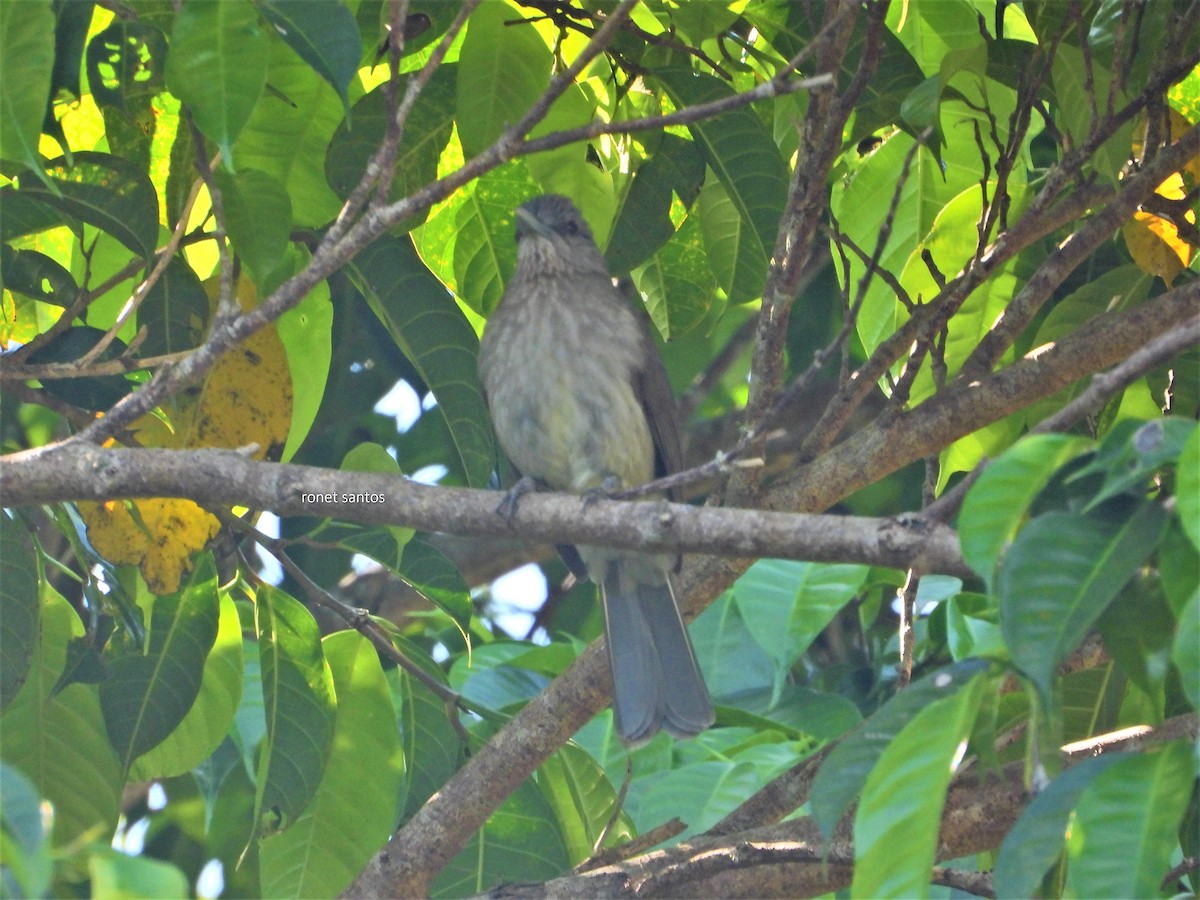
{"type": "Point", "coordinates": [656, 681]}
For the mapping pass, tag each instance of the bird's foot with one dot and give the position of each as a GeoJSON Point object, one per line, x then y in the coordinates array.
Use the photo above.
{"type": "Point", "coordinates": [508, 506]}
{"type": "Point", "coordinates": [607, 488]}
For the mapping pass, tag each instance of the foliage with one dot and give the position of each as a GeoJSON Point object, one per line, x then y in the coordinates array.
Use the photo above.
{"type": "Point", "coordinates": [168, 173]}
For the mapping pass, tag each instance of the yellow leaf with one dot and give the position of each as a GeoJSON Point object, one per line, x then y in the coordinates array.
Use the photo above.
{"type": "Point", "coordinates": [245, 399]}
{"type": "Point", "coordinates": [161, 543]}
{"type": "Point", "coordinates": [1155, 243]}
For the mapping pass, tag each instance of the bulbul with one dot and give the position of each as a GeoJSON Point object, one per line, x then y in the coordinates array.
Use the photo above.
{"type": "Point", "coordinates": [580, 401]}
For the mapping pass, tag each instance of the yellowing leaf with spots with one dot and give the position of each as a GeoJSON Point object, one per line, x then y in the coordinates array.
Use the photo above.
{"type": "Point", "coordinates": [246, 399]}
{"type": "Point", "coordinates": [1154, 242]}
{"type": "Point", "coordinates": [247, 396]}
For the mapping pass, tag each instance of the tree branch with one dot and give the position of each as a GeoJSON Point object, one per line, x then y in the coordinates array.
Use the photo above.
{"type": "Point", "coordinates": [225, 478]}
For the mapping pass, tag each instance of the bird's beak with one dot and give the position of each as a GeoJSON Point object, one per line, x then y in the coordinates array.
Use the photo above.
{"type": "Point", "coordinates": [533, 223]}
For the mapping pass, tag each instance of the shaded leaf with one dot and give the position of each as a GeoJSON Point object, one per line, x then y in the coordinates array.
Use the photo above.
{"type": "Point", "coordinates": [519, 842]}
{"type": "Point", "coordinates": [740, 222]}
{"type": "Point", "coordinates": [298, 693]}
{"type": "Point", "coordinates": [433, 749]}
{"type": "Point", "coordinates": [1124, 832]}
{"type": "Point", "coordinates": [175, 311]}
{"type": "Point", "coordinates": [258, 216]}
{"type": "Point", "coordinates": [432, 333]}
{"type": "Point", "coordinates": [350, 816]}
{"type": "Point", "coordinates": [147, 695]}
{"type": "Point", "coordinates": [847, 768]}
{"type": "Point", "coordinates": [125, 58]}
{"type": "Point", "coordinates": [58, 740]}
{"type": "Point", "coordinates": [643, 223]}
{"type": "Point", "coordinates": [107, 191]}
{"type": "Point", "coordinates": [998, 502]}
{"type": "Point", "coordinates": [20, 624]}
{"type": "Point", "coordinates": [427, 130]}
{"type": "Point", "coordinates": [1036, 841]}
{"type": "Point", "coordinates": [36, 275]}
{"type": "Point", "coordinates": [92, 392]}
{"type": "Point", "coordinates": [1060, 574]}
{"type": "Point", "coordinates": [207, 723]}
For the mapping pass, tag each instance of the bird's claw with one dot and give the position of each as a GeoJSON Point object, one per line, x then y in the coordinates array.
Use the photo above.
{"type": "Point", "coordinates": [512, 499]}
{"type": "Point", "coordinates": [606, 489]}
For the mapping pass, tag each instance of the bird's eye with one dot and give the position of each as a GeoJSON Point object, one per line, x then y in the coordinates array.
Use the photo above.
{"type": "Point", "coordinates": [570, 228]}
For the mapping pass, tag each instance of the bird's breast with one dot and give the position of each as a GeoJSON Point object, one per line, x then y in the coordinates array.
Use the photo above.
{"type": "Point", "coordinates": [560, 384]}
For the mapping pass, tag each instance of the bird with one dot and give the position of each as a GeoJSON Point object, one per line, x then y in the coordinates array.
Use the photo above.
{"type": "Point", "coordinates": [580, 401]}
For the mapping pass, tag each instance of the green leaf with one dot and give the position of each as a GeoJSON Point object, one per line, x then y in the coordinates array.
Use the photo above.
{"type": "Point", "coordinates": [426, 133]}
{"type": "Point", "coordinates": [175, 311]}
{"type": "Point", "coordinates": [323, 33]}
{"type": "Point", "coordinates": [107, 191]}
{"type": "Point", "coordinates": [731, 659]}
{"type": "Point", "coordinates": [27, 859]}
{"type": "Point", "coordinates": [212, 714]}
{"type": "Point", "coordinates": [503, 69]}
{"type": "Point", "coordinates": [306, 331]}
{"type": "Point", "coordinates": [973, 627]}
{"type": "Point", "coordinates": [798, 712]}
{"type": "Point", "coordinates": [700, 794]}
{"type": "Point", "coordinates": [997, 503]}
{"type": "Point", "coordinates": [678, 283]}
{"type": "Point", "coordinates": [350, 816]}
{"type": "Point", "coordinates": [861, 204]}
{"type": "Point", "coordinates": [519, 842]}
{"type": "Point", "coordinates": [495, 676]}
{"type": "Point", "coordinates": [1059, 576]}
{"type": "Point", "coordinates": [26, 62]}
{"type": "Point", "coordinates": [1187, 488]}
{"type": "Point", "coordinates": [298, 694]}
{"type": "Point", "coordinates": [36, 275]}
{"type": "Point", "coordinates": [1137, 629]}
{"type": "Point", "coordinates": [1132, 453]}
{"type": "Point", "coordinates": [431, 574]}
{"type": "Point", "coordinates": [582, 799]}
{"type": "Point", "coordinates": [843, 775]}
{"type": "Point", "coordinates": [790, 29]}
{"type": "Point", "coordinates": [786, 604]}
{"type": "Point", "coordinates": [58, 740]}
{"type": "Point", "coordinates": [1124, 832]}
{"type": "Point", "coordinates": [258, 216]}
{"type": "Point", "coordinates": [643, 224]}
{"type": "Point", "coordinates": [485, 249]}
{"type": "Point", "coordinates": [218, 66]}
{"type": "Point", "coordinates": [433, 334]}
{"type": "Point", "coordinates": [19, 626]}
{"type": "Point", "coordinates": [739, 227]}
{"type": "Point", "coordinates": [116, 874]}
{"type": "Point", "coordinates": [896, 825]}
{"type": "Point", "coordinates": [1036, 841]}
{"type": "Point", "coordinates": [289, 132]}
{"type": "Point", "coordinates": [146, 696]}
{"type": "Point", "coordinates": [1186, 652]}
{"type": "Point", "coordinates": [24, 215]}
{"type": "Point", "coordinates": [432, 748]}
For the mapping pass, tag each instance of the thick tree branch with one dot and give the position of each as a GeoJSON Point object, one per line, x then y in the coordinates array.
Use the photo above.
{"type": "Point", "coordinates": [227, 478]}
